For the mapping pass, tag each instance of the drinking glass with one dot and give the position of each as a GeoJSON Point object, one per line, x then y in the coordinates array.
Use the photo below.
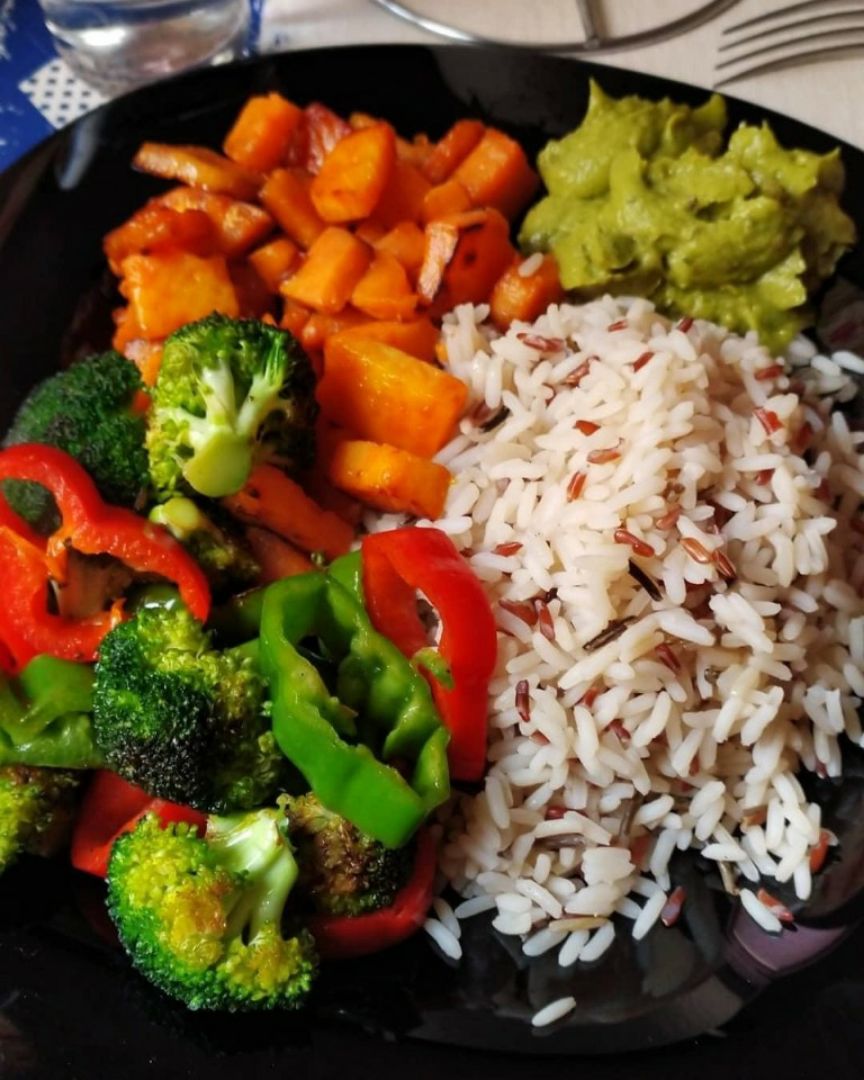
{"type": "Point", "coordinates": [115, 44]}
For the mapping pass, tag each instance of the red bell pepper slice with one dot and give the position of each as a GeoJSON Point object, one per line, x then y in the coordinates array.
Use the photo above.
{"type": "Point", "coordinates": [27, 628]}
{"type": "Point", "coordinates": [340, 937]}
{"type": "Point", "coordinates": [395, 565]}
{"type": "Point", "coordinates": [92, 527]}
{"type": "Point", "coordinates": [112, 806]}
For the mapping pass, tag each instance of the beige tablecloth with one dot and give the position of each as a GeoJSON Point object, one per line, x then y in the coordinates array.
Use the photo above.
{"type": "Point", "coordinates": [828, 95]}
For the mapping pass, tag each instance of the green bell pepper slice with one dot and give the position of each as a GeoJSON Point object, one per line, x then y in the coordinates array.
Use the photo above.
{"type": "Point", "coordinates": [45, 716]}
{"type": "Point", "coordinates": [348, 744]}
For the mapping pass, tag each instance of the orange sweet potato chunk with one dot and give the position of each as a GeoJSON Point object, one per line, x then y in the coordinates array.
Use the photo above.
{"type": "Point", "coordinates": [497, 173]}
{"type": "Point", "coordinates": [199, 167]}
{"type": "Point", "coordinates": [354, 174]}
{"type": "Point", "coordinates": [389, 479]}
{"type": "Point", "coordinates": [384, 291]}
{"type": "Point", "coordinates": [335, 263]}
{"type": "Point", "coordinates": [403, 196]}
{"type": "Point", "coordinates": [263, 132]}
{"type": "Point", "coordinates": [168, 289]}
{"type": "Point", "coordinates": [286, 196]}
{"type": "Point", "coordinates": [385, 395]}
{"type": "Point", "coordinates": [406, 242]}
{"type": "Point", "coordinates": [275, 261]}
{"type": "Point", "coordinates": [525, 298]}
{"type": "Point", "coordinates": [160, 228]}
{"type": "Point", "coordinates": [452, 149]}
{"type": "Point", "coordinates": [239, 225]}
{"type": "Point", "coordinates": [417, 337]}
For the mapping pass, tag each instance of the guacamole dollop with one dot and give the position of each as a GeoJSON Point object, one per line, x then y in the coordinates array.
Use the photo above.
{"type": "Point", "coordinates": [647, 198]}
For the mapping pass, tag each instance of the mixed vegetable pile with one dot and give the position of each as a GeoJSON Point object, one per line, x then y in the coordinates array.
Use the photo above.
{"type": "Point", "coordinates": [243, 722]}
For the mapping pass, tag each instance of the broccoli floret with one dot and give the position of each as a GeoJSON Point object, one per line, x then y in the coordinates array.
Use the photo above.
{"type": "Point", "coordinates": [342, 871]}
{"type": "Point", "coordinates": [202, 918]}
{"type": "Point", "coordinates": [85, 410]}
{"type": "Point", "coordinates": [224, 558]}
{"type": "Point", "coordinates": [182, 719]}
{"type": "Point", "coordinates": [36, 810]}
{"type": "Point", "coordinates": [230, 394]}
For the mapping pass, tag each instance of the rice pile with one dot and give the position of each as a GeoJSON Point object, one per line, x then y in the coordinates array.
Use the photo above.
{"type": "Point", "coordinates": [681, 630]}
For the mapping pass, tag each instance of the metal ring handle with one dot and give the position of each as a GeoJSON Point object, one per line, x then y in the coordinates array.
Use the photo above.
{"type": "Point", "coordinates": [594, 41]}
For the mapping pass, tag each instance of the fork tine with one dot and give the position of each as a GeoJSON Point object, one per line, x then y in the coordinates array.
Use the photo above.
{"type": "Point", "coordinates": [790, 9]}
{"type": "Point", "coordinates": [775, 45]}
{"type": "Point", "coordinates": [783, 63]}
{"type": "Point", "coordinates": [812, 20]}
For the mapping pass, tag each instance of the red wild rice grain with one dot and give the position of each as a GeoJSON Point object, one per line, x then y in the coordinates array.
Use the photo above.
{"type": "Point", "coordinates": [672, 908]}
{"type": "Point", "coordinates": [555, 813]}
{"type": "Point", "coordinates": [771, 372]}
{"type": "Point", "coordinates": [619, 324]}
{"type": "Point", "coordinates": [587, 427]}
{"type": "Point", "coordinates": [576, 486]}
{"type": "Point", "coordinates": [725, 567]}
{"type": "Point", "coordinates": [589, 697]}
{"type": "Point", "coordinates": [578, 373]}
{"type": "Point", "coordinates": [512, 547]}
{"type": "Point", "coordinates": [617, 727]}
{"type": "Point", "coordinates": [775, 906]}
{"type": "Point", "coordinates": [769, 420]}
{"type": "Point", "coordinates": [639, 849]}
{"type": "Point", "coordinates": [669, 519]}
{"type": "Point", "coordinates": [764, 477]}
{"type": "Point", "coordinates": [545, 622]}
{"type": "Point", "coordinates": [523, 701]}
{"type": "Point", "coordinates": [824, 490]}
{"type": "Point", "coordinates": [640, 547]}
{"type": "Point", "coordinates": [754, 815]}
{"type": "Point", "coordinates": [666, 654]}
{"type": "Point", "coordinates": [603, 457]}
{"type": "Point", "coordinates": [522, 609]}
{"type": "Point", "coordinates": [802, 438]}
{"type": "Point", "coordinates": [685, 324]}
{"type": "Point", "coordinates": [697, 552]}
{"type": "Point", "coordinates": [821, 770]}
{"type": "Point", "coordinates": [539, 738]}
{"type": "Point", "coordinates": [642, 361]}
{"type": "Point", "coordinates": [819, 852]}
{"type": "Point", "coordinates": [542, 344]}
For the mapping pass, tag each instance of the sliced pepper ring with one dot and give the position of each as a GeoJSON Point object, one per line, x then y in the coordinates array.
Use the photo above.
{"type": "Point", "coordinates": [393, 707]}
{"type": "Point", "coordinates": [398, 564]}
{"type": "Point", "coordinates": [92, 527]}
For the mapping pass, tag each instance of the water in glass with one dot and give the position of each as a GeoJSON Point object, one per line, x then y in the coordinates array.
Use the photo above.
{"type": "Point", "coordinates": [120, 43]}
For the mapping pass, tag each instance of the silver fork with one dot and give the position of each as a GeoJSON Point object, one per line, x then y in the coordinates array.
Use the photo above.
{"type": "Point", "coordinates": [826, 35]}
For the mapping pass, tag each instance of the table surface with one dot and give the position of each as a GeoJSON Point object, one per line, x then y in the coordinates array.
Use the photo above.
{"type": "Point", "coordinates": [38, 94]}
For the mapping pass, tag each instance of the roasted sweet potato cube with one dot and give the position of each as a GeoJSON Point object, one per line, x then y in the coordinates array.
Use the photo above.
{"type": "Point", "coordinates": [198, 167]}
{"type": "Point", "coordinates": [239, 225]}
{"type": "Point", "coordinates": [263, 132]}
{"type": "Point", "coordinates": [160, 228]}
{"type": "Point", "coordinates": [388, 478]}
{"type": "Point", "coordinates": [286, 196]}
{"type": "Point", "coordinates": [171, 288]}
{"type": "Point", "coordinates": [497, 173]}
{"type": "Point", "coordinates": [354, 174]}
{"type": "Point", "coordinates": [275, 261]}
{"type": "Point", "coordinates": [385, 395]}
{"type": "Point", "coordinates": [335, 263]}
{"type": "Point", "coordinates": [525, 297]}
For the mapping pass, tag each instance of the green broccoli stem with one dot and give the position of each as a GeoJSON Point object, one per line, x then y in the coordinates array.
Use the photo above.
{"type": "Point", "coordinates": [255, 846]}
{"type": "Point", "coordinates": [223, 442]}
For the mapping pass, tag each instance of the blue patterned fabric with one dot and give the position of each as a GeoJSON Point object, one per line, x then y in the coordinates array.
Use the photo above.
{"type": "Point", "coordinates": [38, 93]}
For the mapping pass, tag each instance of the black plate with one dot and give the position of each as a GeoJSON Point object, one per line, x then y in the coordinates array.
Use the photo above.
{"type": "Point", "coordinates": [70, 1005]}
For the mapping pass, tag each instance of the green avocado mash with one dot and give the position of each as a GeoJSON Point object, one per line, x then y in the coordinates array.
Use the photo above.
{"type": "Point", "coordinates": [644, 199]}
